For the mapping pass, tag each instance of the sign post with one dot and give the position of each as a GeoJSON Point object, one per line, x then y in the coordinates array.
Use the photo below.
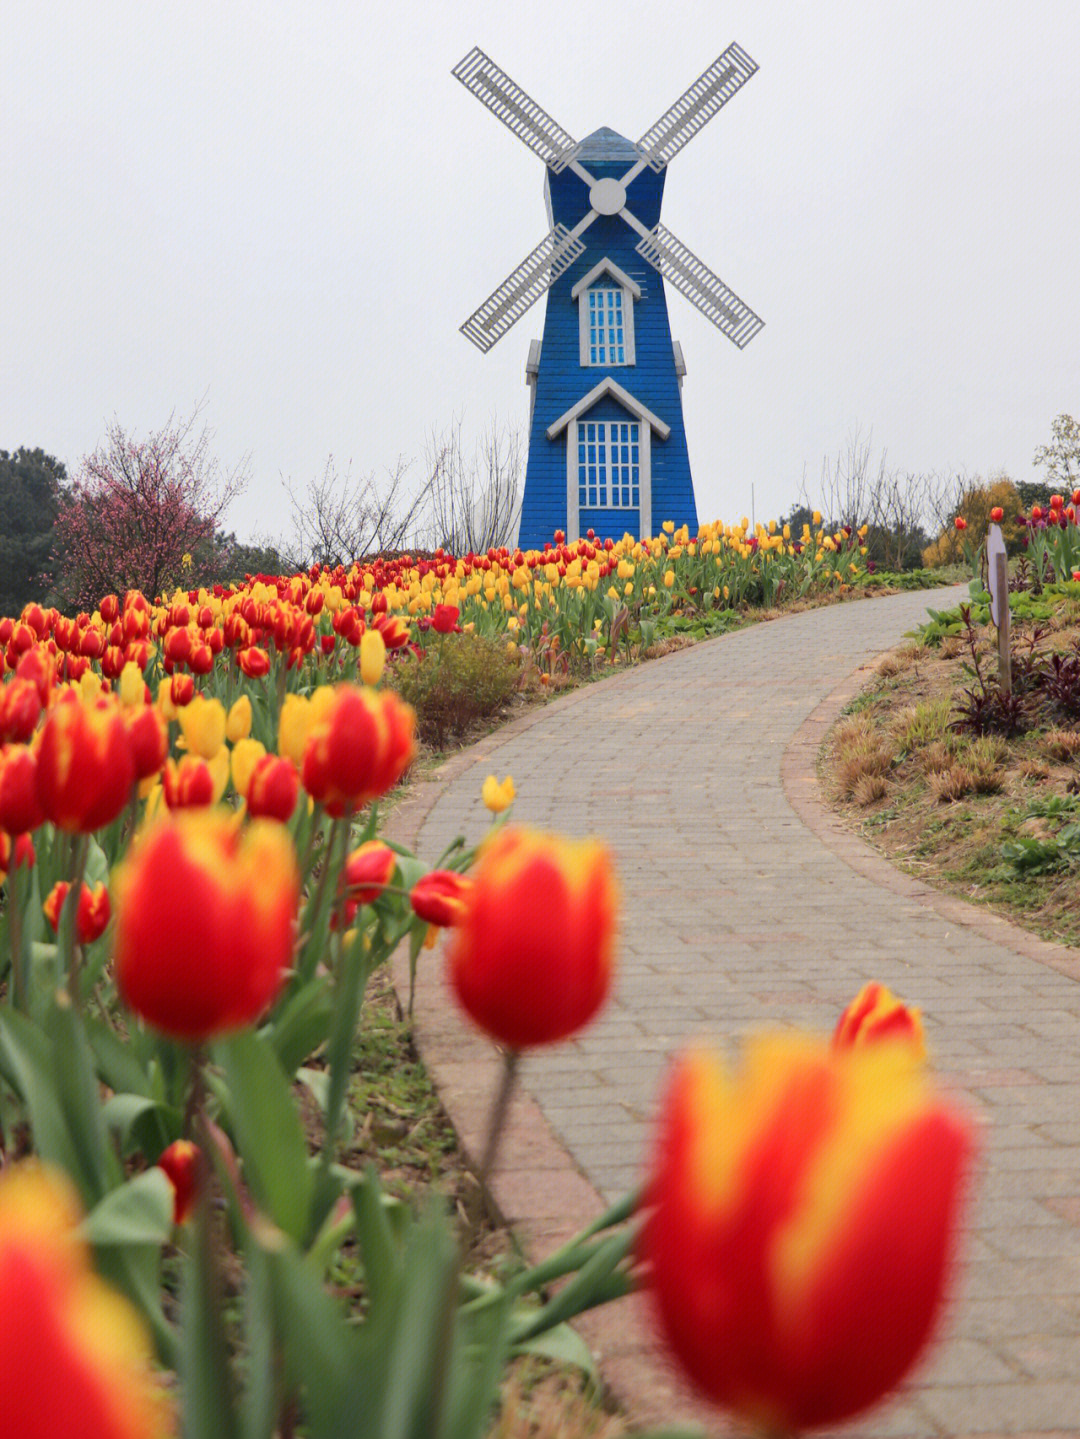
{"type": "Point", "coordinates": [997, 567]}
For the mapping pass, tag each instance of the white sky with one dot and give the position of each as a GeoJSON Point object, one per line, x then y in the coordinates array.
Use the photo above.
{"type": "Point", "coordinates": [291, 207]}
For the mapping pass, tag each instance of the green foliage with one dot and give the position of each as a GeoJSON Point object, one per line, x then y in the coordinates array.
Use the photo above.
{"type": "Point", "coordinates": [459, 680]}
{"type": "Point", "coordinates": [32, 491]}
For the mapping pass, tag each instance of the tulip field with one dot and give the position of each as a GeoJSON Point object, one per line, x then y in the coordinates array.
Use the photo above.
{"type": "Point", "coordinates": [196, 893]}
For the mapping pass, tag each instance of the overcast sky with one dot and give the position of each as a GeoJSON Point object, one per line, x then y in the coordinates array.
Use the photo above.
{"type": "Point", "coordinates": [291, 207]}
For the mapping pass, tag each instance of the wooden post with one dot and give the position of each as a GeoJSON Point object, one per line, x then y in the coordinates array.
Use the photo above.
{"type": "Point", "coordinates": [1001, 576]}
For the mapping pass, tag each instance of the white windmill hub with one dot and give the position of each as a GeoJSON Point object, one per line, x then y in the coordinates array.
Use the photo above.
{"type": "Point", "coordinates": [608, 197]}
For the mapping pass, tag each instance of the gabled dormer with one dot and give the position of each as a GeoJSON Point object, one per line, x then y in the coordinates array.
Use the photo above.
{"type": "Point", "coordinates": [605, 300]}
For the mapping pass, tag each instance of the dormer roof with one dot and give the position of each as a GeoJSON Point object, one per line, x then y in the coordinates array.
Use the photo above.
{"type": "Point", "coordinates": [608, 386]}
{"type": "Point", "coordinates": [606, 267]}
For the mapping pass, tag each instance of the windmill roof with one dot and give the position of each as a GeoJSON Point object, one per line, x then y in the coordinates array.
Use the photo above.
{"type": "Point", "coordinates": [605, 144]}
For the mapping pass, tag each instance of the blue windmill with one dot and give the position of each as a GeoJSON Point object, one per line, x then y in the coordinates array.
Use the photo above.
{"type": "Point", "coordinates": [607, 444]}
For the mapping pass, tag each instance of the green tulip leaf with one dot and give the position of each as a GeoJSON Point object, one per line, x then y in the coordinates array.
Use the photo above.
{"type": "Point", "coordinates": [139, 1212]}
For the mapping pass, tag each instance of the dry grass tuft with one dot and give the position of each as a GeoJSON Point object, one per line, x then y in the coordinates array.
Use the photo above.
{"type": "Point", "coordinates": [869, 788]}
{"type": "Point", "coordinates": [549, 1409]}
{"type": "Point", "coordinates": [1033, 769]}
{"type": "Point", "coordinates": [1062, 744]}
{"type": "Point", "coordinates": [923, 724]}
{"type": "Point", "coordinates": [889, 665]}
{"type": "Point", "coordinates": [937, 756]}
{"type": "Point", "coordinates": [859, 752]}
{"type": "Point", "coordinates": [951, 647]}
{"type": "Point", "coordinates": [948, 785]}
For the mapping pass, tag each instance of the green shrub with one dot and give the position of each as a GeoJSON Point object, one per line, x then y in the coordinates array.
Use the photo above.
{"type": "Point", "coordinates": [459, 680]}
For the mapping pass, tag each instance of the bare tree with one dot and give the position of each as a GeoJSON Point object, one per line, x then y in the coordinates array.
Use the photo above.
{"type": "Point", "coordinates": [474, 501]}
{"type": "Point", "coordinates": [339, 518]}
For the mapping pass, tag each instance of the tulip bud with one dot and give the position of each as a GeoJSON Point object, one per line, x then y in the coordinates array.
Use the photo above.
{"type": "Point", "coordinates": [527, 983]}
{"type": "Point", "coordinates": [181, 1162]}
{"type": "Point", "coordinates": [189, 784]}
{"type": "Point", "coordinates": [222, 966]}
{"type": "Point", "coordinates": [802, 1219]}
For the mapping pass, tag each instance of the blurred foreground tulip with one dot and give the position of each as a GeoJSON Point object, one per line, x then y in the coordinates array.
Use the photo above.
{"type": "Point", "coordinates": [85, 766]}
{"type": "Point", "coordinates": [875, 1014]}
{"type": "Point", "coordinates": [74, 1359]}
{"type": "Point", "coordinates": [533, 952]}
{"type": "Point", "coordinates": [204, 922]}
{"type": "Point", "coordinates": [358, 748]}
{"type": "Point", "coordinates": [803, 1216]}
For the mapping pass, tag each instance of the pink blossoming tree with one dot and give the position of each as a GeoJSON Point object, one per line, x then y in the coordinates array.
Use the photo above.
{"type": "Point", "coordinates": [137, 508]}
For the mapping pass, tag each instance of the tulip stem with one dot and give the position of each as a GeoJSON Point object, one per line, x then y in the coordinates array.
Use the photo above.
{"type": "Point", "coordinates": [499, 1110]}
{"type": "Point", "coordinates": [71, 906]}
{"type": "Point", "coordinates": [15, 900]}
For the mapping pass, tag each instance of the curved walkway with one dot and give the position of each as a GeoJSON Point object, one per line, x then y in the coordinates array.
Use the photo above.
{"type": "Point", "coordinates": [746, 905]}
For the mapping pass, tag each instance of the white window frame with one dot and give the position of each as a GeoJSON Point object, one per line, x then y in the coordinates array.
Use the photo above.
{"type": "Point", "coordinates": [568, 424]}
{"type": "Point", "coordinates": [614, 279]}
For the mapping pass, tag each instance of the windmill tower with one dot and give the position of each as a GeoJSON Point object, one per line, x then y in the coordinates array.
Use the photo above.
{"type": "Point", "coordinates": [607, 444]}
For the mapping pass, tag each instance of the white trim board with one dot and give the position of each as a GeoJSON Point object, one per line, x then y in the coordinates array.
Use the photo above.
{"type": "Point", "coordinates": [608, 386]}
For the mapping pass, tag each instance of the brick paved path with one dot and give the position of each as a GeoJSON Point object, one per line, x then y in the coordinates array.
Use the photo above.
{"type": "Point", "coordinates": [746, 905]}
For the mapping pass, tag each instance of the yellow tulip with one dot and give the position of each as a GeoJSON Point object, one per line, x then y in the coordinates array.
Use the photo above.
{"type": "Point", "coordinates": [132, 688]}
{"type": "Point", "coordinates": [238, 721]}
{"type": "Point", "coordinates": [496, 796]}
{"type": "Point", "coordinates": [245, 756]}
{"type": "Point", "coordinates": [202, 723]}
{"type": "Point", "coordinates": [372, 656]}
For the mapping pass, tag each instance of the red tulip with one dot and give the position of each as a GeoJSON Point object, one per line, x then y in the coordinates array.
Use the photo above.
{"type": "Point", "coordinates": [204, 922]}
{"type": "Point", "coordinates": [20, 807]}
{"type": "Point", "coordinates": [358, 748]}
{"type": "Point", "coordinates": [273, 788]}
{"type": "Point", "coordinates": [85, 766]}
{"type": "Point", "coordinates": [533, 951]}
{"type": "Point", "coordinates": [440, 896]}
{"type": "Point", "coordinates": [802, 1220]}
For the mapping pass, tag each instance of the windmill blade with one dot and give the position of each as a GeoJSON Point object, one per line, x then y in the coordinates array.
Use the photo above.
{"type": "Point", "coordinates": [494, 88]}
{"type": "Point", "coordinates": [693, 278]}
{"type": "Point", "coordinates": [727, 74]}
{"type": "Point", "coordinates": [539, 270]}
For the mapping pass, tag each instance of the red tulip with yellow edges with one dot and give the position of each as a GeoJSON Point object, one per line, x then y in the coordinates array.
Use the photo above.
{"type": "Point", "coordinates": [368, 870]}
{"type": "Point", "coordinates": [802, 1223]}
{"type": "Point", "coordinates": [20, 710]}
{"type": "Point", "coordinates": [358, 748]}
{"type": "Point", "coordinates": [148, 735]}
{"type": "Point", "coordinates": [204, 922]}
{"type": "Point", "coordinates": [533, 951]}
{"type": "Point", "coordinates": [74, 1356]}
{"type": "Point", "coordinates": [439, 896]}
{"type": "Point", "coordinates": [85, 766]}
{"type": "Point", "coordinates": [273, 788]}
{"type": "Point", "coordinates": [875, 1014]}
{"type": "Point", "coordinates": [91, 915]}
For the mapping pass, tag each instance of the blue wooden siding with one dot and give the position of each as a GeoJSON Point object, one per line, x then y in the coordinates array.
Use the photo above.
{"type": "Point", "coordinates": [562, 379]}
